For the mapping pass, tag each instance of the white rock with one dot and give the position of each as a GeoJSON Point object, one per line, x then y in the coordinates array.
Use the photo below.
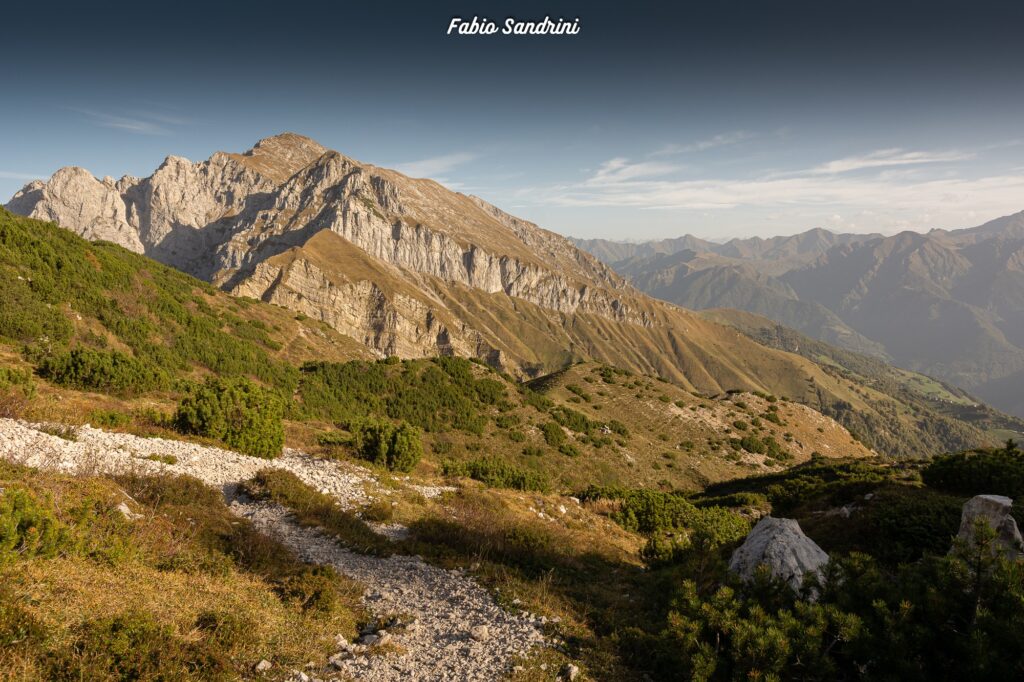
{"type": "Point", "coordinates": [480, 633]}
{"type": "Point", "coordinates": [995, 511]}
{"type": "Point", "coordinates": [263, 666]}
{"type": "Point", "coordinates": [781, 545]}
{"type": "Point", "coordinates": [127, 512]}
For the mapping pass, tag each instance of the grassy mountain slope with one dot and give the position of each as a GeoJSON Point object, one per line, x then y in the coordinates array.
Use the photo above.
{"type": "Point", "coordinates": [63, 292]}
{"type": "Point", "coordinates": [408, 267]}
{"type": "Point", "coordinates": [912, 414]}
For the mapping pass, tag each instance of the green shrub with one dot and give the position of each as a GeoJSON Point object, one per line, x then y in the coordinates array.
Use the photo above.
{"type": "Point", "coordinates": [134, 646]}
{"type": "Point", "coordinates": [997, 472]}
{"type": "Point", "coordinates": [497, 473]}
{"type": "Point", "coordinates": [110, 371]}
{"type": "Point", "coordinates": [109, 418]}
{"type": "Point", "coordinates": [618, 428]}
{"type": "Point", "coordinates": [28, 527]}
{"type": "Point", "coordinates": [315, 589]}
{"type": "Point", "coordinates": [333, 439]}
{"type": "Point", "coordinates": [569, 450]}
{"type": "Point", "coordinates": [553, 434]}
{"type": "Point", "coordinates": [646, 511]}
{"type": "Point", "coordinates": [708, 530]}
{"type": "Point", "coordinates": [236, 412]}
{"type": "Point", "coordinates": [573, 420]}
{"type": "Point", "coordinates": [436, 395]}
{"type": "Point", "coordinates": [398, 447]}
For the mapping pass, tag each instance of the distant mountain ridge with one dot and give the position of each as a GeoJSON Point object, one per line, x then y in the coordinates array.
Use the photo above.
{"type": "Point", "coordinates": [949, 303]}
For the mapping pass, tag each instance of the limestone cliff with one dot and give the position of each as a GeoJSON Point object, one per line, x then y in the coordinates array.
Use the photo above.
{"type": "Point", "coordinates": [403, 265]}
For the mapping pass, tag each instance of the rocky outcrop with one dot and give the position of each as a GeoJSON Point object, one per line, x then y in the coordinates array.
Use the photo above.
{"type": "Point", "coordinates": [221, 218]}
{"type": "Point", "coordinates": [994, 511]}
{"type": "Point", "coordinates": [781, 546]}
{"type": "Point", "coordinates": [95, 209]}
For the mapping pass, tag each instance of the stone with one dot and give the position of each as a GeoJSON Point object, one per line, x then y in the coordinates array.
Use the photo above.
{"type": "Point", "coordinates": [127, 513]}
{"type": "Point", "coordinates": [995, 511]}
{"type": "Point", "coordinates": [338, 660]}
{"type": "Point", "coordinates": [369, 640]}
{"type": "Point", "coordinates": [570, 672]}
{"type": "Point", "coordinates": [781, 545]}
{"type": "Point", "coordinates": [480, 633]}
{"type": "Point", "coordinates": [263, 666]}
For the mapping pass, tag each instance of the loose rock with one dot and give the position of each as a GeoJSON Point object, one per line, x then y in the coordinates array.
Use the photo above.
{"type": "Point", "coordinates": [781, 545]}
{"type": "Point", "coordinates": [993, 510]}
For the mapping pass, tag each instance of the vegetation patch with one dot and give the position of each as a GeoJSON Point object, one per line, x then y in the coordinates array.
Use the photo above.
{"type": "Point", "coordinates": [236, 412]}
{"type": "Point", "coordinates": [497, 473]}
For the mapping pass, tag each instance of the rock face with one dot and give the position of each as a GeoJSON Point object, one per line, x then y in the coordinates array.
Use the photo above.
{"type": "Point", "coordinates": [403, 265]}
{"type": "Point", "coordinates": [995, 511]}
{"type": "Point", "coordinates": [781, 545]}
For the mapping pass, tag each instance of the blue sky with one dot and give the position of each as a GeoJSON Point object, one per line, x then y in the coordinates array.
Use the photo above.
{"type": "Point", "coordinates": [720, 119]}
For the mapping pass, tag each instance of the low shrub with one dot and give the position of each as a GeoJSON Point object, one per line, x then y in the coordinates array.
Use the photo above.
{"type": "Point", "coordinates": [236, 412]}
{"type": "Point", "coordinates": [134, 646]}
{"type": "Point", "coordinates": [110, 371]}
{"type": "Point", "coordinates": [398, 447]}
{"type": "Point", "coordinates": [497, 473]}
{"type": "Point", "coordinates": [553, 434]}
{"type": "Point", "coordinates": [996, 471]}
{"type": "Point", "coordinates": [28, 527]}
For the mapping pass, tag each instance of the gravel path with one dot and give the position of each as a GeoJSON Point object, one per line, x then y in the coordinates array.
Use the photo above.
{"type": "Point", "coordinates": [444, 640]}
{"type": "Point", "coordinates": [453, 629]}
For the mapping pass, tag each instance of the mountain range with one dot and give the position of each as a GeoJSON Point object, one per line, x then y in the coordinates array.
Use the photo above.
{"type": "Point", "coordinates": [405, 267]}
{"type": "Point", "coordinates": [948, 303]}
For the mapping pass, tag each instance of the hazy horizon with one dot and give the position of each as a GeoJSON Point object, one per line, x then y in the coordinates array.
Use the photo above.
{"type": "Point", "coordinates": [728, 121]}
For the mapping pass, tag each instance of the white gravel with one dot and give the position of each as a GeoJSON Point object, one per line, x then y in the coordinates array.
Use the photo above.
{"type": "Point", "coordinates": [444, 605]}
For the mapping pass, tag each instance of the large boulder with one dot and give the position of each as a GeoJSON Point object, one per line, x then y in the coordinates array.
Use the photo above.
{"type": "Point", "coordinates": [995, 511]}
{"type": "Point", "coordinates": [780, 545]}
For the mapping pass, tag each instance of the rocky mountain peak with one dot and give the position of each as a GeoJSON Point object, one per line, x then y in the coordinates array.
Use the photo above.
{"type": "Point", "coordinates": [405, 266]}
{"type": "Point", "coordinates": [280, 156]}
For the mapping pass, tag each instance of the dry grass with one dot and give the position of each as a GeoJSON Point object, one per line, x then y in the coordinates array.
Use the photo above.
{"type": "Point", "coordinates": [204, 589]}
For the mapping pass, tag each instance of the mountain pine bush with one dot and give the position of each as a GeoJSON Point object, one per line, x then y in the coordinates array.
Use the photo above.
{"type": "Point", "coordinates": [398, 447]}
{"type": "Point", "coordinates": [237, 412]}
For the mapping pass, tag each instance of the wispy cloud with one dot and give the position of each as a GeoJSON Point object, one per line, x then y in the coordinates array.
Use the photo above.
{"type": "Point", "coordinates": [137, 122]}
{"type": "Point", "coordinates": [884, 185]}
{"type": "Point", "coordinates": [435, 166]}
{"type": "Point", "coordinates": [618, 170]}
{"type": "Point", "coordinates": [885, 158]}
{"type": "Point", "coordinates": [720, 140]}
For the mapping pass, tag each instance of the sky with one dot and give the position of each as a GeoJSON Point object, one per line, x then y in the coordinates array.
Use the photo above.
{"type": "Point", "coordinates": [719, 119]}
